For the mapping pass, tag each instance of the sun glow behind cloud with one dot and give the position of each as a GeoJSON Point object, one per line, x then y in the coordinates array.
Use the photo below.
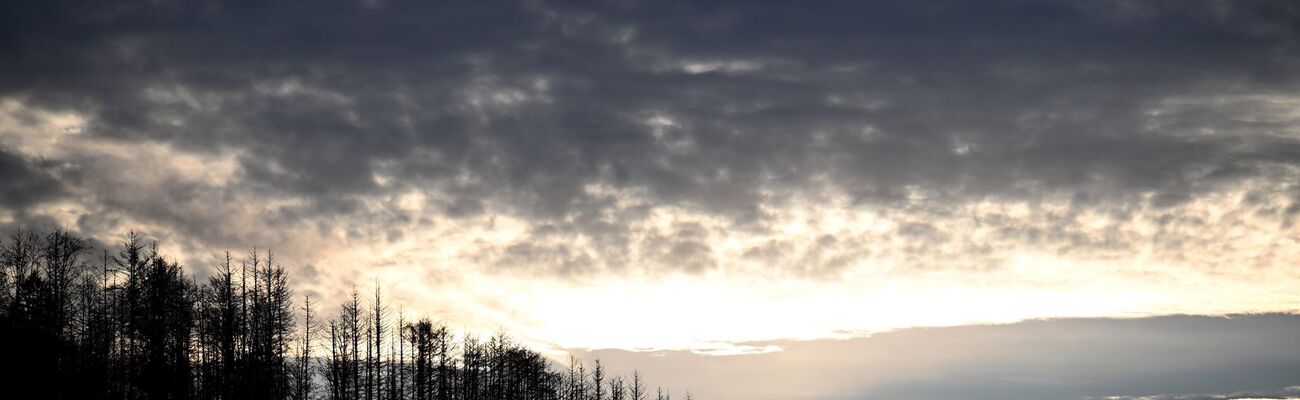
{"type": "Point", "coordinates": [875, 277]}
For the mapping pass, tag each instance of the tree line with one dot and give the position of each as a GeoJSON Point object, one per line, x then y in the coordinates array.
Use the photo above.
{"type": "Point", "coordinates": [131, 324]}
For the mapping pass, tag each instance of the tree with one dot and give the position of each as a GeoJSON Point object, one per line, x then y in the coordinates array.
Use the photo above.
{"type": "Point", "coordinates": [304, 372]}
{"type": "Point", "coordinates": [473, 367]}
{"type": "Point", "coordinates": [338, 375]}
{"type": "Point", "coordinates": [222, 331]}
{"type": "Point", "coordinates": [638, 390]}
{"type": "Point", "coordinates": [597, 381]}
{"type": "Point", "coordinates": [352, 315]}
{"type": "Point", "coordinates": [159, 323]}
{"type": "Point", "coordinates": [378, 312]}
{"type": "Point", "coordinates": [616, 389]}
{"type": "Point", "coordinates": [421, 336]}
{"type": "Point", "coordinates": [135, 326]}
{"type": "Point", "coordinates": [576, 380]}
{"type": "Point", "coordinates": [442, 350]}
{"type": "Point", "coordinates": [401, 365]}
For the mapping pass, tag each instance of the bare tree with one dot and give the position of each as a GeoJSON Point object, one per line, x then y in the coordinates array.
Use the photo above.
{"type": "Point", "coordinates": [638, 391]}
{"type": "Point", "coordinates": [305, 372]}
{"type": "Point", "coordinates": [338, 376]}
{"type": "Point", "coordinates": [374, 347]}
{"type": "Point", "coordinates": [472, 368]}
{"type": "Point", "coordinates": [597, 381]}
{"type": "Point", "coordinates": [616, 389]}
{"type": "Point", "coordinates": [353, 320]}
{"type": "Point", "coordinates": [136, 327]}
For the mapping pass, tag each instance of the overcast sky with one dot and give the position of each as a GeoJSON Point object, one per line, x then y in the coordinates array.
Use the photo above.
{"type": "Point", "coordinates": [701, 179]}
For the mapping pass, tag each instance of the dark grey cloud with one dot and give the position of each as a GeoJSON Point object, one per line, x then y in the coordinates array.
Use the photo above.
{"type": "Point", "coordinates": [719, 107]}
{"type": "Point", "coordinates": [1177, 357]}
{"type": "Point", "coordinates": [24, 182]}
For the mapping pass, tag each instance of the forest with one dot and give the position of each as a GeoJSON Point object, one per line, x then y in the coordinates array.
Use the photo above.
{"type": "Point", "coordinates": [129, 323]}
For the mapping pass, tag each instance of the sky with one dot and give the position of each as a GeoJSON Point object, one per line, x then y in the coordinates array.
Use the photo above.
{"type": "Point", "coordinates": [741, 183]}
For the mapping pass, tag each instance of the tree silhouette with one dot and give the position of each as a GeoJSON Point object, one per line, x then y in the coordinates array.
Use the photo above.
{"type": "Point", "coordinates": [304, 372]}
{"type": "Point", "coordinates": [134, 326]}
{"type": "Point", "coordinates": [597, 381]}
{"type": "Point", "coordinates": [638, 391]}
{"type": "Point", "coordinates": [616, 389]}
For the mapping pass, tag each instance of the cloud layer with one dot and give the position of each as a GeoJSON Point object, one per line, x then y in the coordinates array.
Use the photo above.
{"type": "Point", "coordinates": [687, 160]}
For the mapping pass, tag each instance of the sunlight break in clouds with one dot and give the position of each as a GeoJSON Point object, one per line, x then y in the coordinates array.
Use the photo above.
{"type": "Point", "coordinates": [1075, 264]}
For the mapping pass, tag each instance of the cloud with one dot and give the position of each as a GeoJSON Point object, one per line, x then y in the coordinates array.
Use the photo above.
{"type": "Point", "coordinates": [27, 184]}
{"type": "Point", "coordinates": [1147, 151]}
